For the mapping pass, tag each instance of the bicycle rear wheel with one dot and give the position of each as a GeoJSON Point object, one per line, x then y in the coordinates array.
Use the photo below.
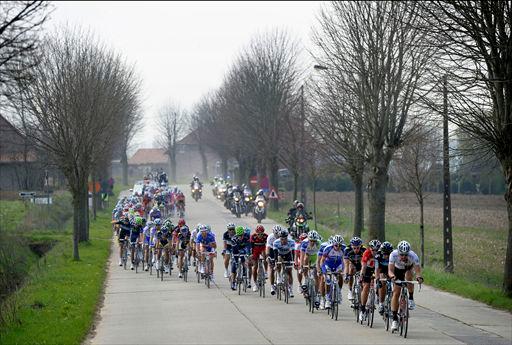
{"type": "Point", "coordinates": [371, 308]}
{"type": "Point", "coordinates": [403, 314]}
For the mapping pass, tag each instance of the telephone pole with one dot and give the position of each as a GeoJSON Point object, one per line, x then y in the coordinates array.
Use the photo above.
{"type": "Point", "coordinates": [447, 209]}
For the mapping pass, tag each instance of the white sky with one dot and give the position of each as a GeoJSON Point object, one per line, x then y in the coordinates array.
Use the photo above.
{"type": "Point", "coordinates": [182, 49]}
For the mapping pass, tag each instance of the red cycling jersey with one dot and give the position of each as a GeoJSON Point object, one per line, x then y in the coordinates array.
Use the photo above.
{"type": "Point", "coordinates": [368, 258]}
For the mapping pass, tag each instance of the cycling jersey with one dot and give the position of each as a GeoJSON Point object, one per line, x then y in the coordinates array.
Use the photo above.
{"type": "Point", "coordinates": [381, 263]}
{"type": "Point", "coordinates": [226, 237]}
{"type": "Point", "coordinates": [193, 235]}
{"type": "Point", "coordinates": [323, 245]}
{"type": "Point", "coordinates": [206, 241]}
{"type": "Point", "coordinates": [354, 257]}
{"type": "Point", "coordinates": [410, 260]}
{"type": "Point", "coordinates": [333, 259]}
{"type": "Point", "coordinates": [241, 244]}
{"type": "Point", "coordinates": [270, 241]}
{"type": "Point", "coordinates": [368, 258]}
{"type": "Point", "coordinates": [135, 233]}
{"type": "Point", "coordinates": [258, 243]}
{"type": "Point", "coordinates": [154, 214]}
{"type": "Point", "coordinates": [310, 250]}
{"type": "Point", "coordinates": [284, 248]}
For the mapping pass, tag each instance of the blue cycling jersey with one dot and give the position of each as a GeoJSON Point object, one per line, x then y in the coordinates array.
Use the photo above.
{"type": "Point", "coordinates": [241, 244]}
{"type": "Point", "coordinates": [286, 248]}
{"type": "Point", "coordinates": [332, 255]}
{"type": "Point", "coordinates": [206, 240]}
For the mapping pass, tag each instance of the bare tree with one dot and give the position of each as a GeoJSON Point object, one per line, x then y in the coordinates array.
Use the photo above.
{"type": "Point", "coordinates": [171, 122]}
{"type": "Point", "coordinates": [261, 87]}
{"type": "Point", "coordinates": [75, 104]}
{"type": "Point", "coordinates": [476, 58]}
{"type": "Point", "coordinates": [20, 23]}
{"type": "Point", "coordinates": [380, 50]}
{"type": "Point", "coordinates": [415, 162]}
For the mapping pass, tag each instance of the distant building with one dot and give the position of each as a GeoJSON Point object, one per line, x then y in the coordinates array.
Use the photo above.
{"type": "Point", "coordinates": [22, 167]}
{"type": "Point", "coordinates": [147, 160]}
{"type": "Point", "coordinates": [189, 161]}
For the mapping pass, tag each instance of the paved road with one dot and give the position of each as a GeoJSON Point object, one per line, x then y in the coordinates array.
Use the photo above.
{"type": "Point", "coordinates": [139, 309]}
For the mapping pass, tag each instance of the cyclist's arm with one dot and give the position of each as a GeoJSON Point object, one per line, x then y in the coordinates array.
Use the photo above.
{"type": "Point", "coordinates": [417, 270]}
{"type": "Point", "coordinates": [391, 270]}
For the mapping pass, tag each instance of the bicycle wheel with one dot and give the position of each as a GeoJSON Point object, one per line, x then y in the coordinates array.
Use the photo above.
{"type": "Point", "coordinates": [312, 297]}
{"type": "Point", "coordinates": [403, 317]}
{"type": "Point", "coordinates": [371, 308]}
{"type": "Point", "coordinates": [333, 300]}
{"type": "Point", "coordinates": [356, 303]}
{"type": "Point", "coordinates": [161, 267]}
{"type": "Point", "coordinates": [387, 312]}
{"type": "Point", "coordinates": [150, 263]}
{"type": "Point", "coordinates": [286, 289]}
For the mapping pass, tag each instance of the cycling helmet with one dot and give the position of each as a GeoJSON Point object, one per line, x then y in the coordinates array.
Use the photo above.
{"type": "Point", "coordinates": [403, 247]}
{"type": "Point", "coordinates": [301, 205]}
{"type": "Point", "coordinates": [158, 222]}
{"type": "Point", "coordinates": [230, 226]}
{"type": "Point", "coordinates": [337, 239]}
{"type": "Point", "coordinates": [181, 222]}
{"type": "Point", "coordinates": [386, 247]}
{"type": "Point", "coordinates": [374, 244]}
{"type": "Point", "coordinates": [313, 236]}
{"type": "Point", "coordinates": [295, 203]}
{"type": "Point", "coordinates": [283, 233]}
{"type": "Point", "coordinates": [138, 221]}
{"type": "Point", "coordinates": [203, 228]}
{"type": "Point", "coordinates": [150, 223]}
{"type": "Point", "coordinates": [260, 229]}
{"type": "Point", "coordinates": [277, 230]}
{"type": "Point", "coordinates": [239, 231]}
{"type": "Point", "coordinates": [208, 227]}
{"type": "Point", "coordinates": [356, 241]}
{"type": "Point", "coordinates": [329, 241]}
{"type": "Point", "coordinates": [184, 229]}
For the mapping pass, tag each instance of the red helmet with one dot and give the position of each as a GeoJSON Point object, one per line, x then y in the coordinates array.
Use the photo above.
{"type": "Point", "coordinates": [260, 229]}
{"type": "Point", "coordinates": [181, 222]}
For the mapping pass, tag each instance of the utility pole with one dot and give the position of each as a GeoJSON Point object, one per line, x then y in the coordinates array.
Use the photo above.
{"type": "Point", "coordinates": [302, 169]}
{"type": "Point", "coordinates": [447, 209]}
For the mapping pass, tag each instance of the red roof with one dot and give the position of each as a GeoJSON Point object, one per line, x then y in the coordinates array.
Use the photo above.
{"type": "Point", "coordinates": [149, 156]}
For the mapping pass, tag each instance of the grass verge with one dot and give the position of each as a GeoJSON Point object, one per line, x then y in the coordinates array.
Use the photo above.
{"type": "Point", "coordinates": [478, 255]}
{"type": "Point", "coordinates": [58, 303]}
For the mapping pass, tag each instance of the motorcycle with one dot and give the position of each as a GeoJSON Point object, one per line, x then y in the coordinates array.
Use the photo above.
{"type": "Point", "coordinates": [197, 192]}
{"type": "Point", "coordinates": [237, 204]}
{"type": "Point", "coordinates": [299, 226]}
{"type": "Point", "coordinates": [247, 203]}
{"type": "Point", "coordinates": [260, 211]}
{"type": "Point", "coordinates": [221, 191]}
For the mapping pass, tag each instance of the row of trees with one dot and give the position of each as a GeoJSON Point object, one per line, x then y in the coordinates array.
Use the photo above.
{"type": "Point", "coordinates": [376, 101]}
{"type": "Point", "coordinates": [75, 98]}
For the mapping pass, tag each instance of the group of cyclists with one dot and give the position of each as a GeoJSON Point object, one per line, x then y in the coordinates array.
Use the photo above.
{"type": "Point", "coordinates": [285, 249]}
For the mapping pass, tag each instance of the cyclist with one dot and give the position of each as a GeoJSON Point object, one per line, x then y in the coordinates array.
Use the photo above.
{"type": "Point", "coordinates": [193, 237]}
{"type": "Point", "coordinates": [124, 232]}
{"type": "Point", "coordinates": [381, 271]}
{"type": "Point", "coordinates": [332, 261]}
{"type": "Point", "coordinates": [163, 242]}
{"type": "Point", "coordinates": [269, 251]}
{"type": "Point", "coordinates": [298, 260]}
{"type": "Point", "coordinates": [367, 273]}
{"type": "Point", "coordinates": [155, 213]}
{"type": "Point", "coordinates": [226, 252]}
{"type": "Point", "coordinates": [353, 256]}
{"type": "Point", "coordinates": [309, 255]}
{"type": "Point", "coordinates": [284, 248]}
{"type": "Point", "coordinates": [147, 241]}
{"type": "Point", "coordinates": [321, 280]}
{"type": "Point", "coordinates": [258, 242]}
{"type": "Point", "coordinates": [206, 245]}
{"type": "Point", "coordinates": [241, 245]}
{"type": "Point", "coordinates": [181, 241]}
{"type": "Point", "coordinates": [136, 236]}
{"type": "Point", "coordinates": [401, 262]}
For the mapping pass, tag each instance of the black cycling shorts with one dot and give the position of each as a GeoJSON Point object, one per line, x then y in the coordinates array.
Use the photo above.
{"type": "Point", "coordinates": [400, 273]}
{"type": "Point", "coordinates": [367, 277]}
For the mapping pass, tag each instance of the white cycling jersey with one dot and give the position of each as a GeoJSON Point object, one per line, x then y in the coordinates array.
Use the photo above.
{"type": "Point", "coordinates": [410, 260]}
{"type": "Point", "coordinates": [270, 241]}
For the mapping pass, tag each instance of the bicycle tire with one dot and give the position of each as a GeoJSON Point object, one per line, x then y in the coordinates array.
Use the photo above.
{"type": "Point", "coordinates": [150, 263]}
{"type": "Point", "coordinates": [371, 309]}
{"type": "Point", "coordinates": [286, 290]}
{"type": "Point", "coordinates": [333, 299]}
{"type": "Point", "coordinates": [312, 297]}
{"type": "Point", "coordinates": [406, 320]}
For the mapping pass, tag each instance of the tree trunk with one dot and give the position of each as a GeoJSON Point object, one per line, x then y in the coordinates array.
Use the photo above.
{"type": "Point", "coordinates": [295, 185]}
{"type": "Point", "coordinates": [357, 180]}
{"type": "Point", "coordinates": [224, 167]}
{"type": "Point", "coordinates": [242, 171]}
{"type": "Point", "coordinates": [172, 158]}
{"type": "Point", "coordinates": [422, 233]}
{"type": "Point", "coordinates": [274, 182]}
{"type": "Point", "coordinates": [377, 204]}
{"type": "Point", "coordinates": [94, 196]}
{"type": "Point", "coordinates": [507, 278]}
{"type": "Point", "coordinates": [84, 213]}
{"type": "Point", "coordinates": [204, 162]}
{"type": "Point", "coordinates": [76, 223]}
{"type": "Point", "coordinates": [124, 163]}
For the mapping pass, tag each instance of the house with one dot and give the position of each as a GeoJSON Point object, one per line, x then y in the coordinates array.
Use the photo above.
{"type": "Point", "coordinates": [146, 160]}
{"type": "Point", "coordinates": [19, 166]}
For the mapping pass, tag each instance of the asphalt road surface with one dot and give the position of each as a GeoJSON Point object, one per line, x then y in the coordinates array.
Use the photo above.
{"type": "Point", "coordinates": [139, 309]}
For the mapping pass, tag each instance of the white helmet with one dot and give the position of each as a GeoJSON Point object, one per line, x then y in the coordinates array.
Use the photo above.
{"type": "Point", "coordinates": [403, 247]}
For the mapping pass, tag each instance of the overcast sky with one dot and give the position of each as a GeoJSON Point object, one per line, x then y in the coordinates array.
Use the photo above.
{"type": "Point", "coordinates": [182, 49]}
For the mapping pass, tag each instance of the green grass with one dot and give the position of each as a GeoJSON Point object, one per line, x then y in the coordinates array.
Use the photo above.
{"type": "Point", "coordinates": [58, 304]}
{"type": "Point", "coordinates": [478, 254]}
{"type": "Point", "coordinates": [12, 214]}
